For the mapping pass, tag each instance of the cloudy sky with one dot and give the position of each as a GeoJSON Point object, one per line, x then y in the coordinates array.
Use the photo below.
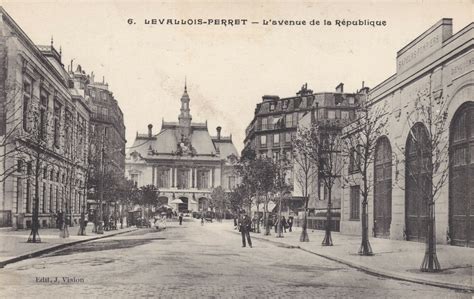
{"type": "Point", "coordinates": [228, 69]}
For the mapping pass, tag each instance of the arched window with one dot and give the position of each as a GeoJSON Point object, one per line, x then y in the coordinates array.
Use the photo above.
{"type": "Point", "coordinates": [461, 173]}
{"type": "Point", "coordinates": [382, 188]}
{"type": "Point", "coordinates": [417, 182]}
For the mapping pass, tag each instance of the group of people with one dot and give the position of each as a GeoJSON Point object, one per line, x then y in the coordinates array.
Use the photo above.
{"type": "Point", "coordinates": [246, 225]}
{"type": "Point", "coordinates": [285, 224]}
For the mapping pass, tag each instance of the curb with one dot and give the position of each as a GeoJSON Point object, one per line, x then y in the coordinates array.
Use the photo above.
{"type": "Point", "coordinates": [374, 271]}
{"type": "Point", "coordinates": [57, 247]}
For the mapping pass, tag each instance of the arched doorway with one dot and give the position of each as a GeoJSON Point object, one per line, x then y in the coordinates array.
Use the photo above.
{"type": "Point", "coordinates": [461, 182]}
{"type": "Point", "coordinates": [183, 207]}
{"type": "Point", "coordinates": [382, 188]}
{"type": "Point", "coordinates": [417, 183]}
{"type": "Point", "coordinates": [203, 204]}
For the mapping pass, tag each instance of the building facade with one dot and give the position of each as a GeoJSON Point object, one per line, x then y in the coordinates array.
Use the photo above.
{"type": "Point", "coordinates": [275, 124]}
{"type": "Point", "coordinates": [436, 67]}
{"type": "Point", "coordinates": [331, 112]}
{"type": "Point", "coordinates": [183, 161]}
{"type": "Point", "coordinates": [43, 130]}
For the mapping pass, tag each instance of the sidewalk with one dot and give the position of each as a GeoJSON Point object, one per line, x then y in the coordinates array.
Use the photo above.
{"type": "Point", "coordinates": [394, 259]}
{"type": "Point", "coordinates": [14, 246]}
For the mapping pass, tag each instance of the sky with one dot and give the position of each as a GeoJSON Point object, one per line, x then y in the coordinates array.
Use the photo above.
{"type": "Point", "coordinates": [227, 68]}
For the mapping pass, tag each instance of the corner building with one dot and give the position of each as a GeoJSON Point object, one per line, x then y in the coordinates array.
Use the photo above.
{"type": "Point", "coordinates": [44, 121]}
{"type": "Point", "coordinates": [183, 161]}
{"type": "Point", "coordinates": [440, 65]}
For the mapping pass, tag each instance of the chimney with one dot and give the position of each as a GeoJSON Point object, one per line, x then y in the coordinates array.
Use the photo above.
{"type": "Point", "coordinates": [340, 88]}
{"type": "Point", "coordinates": [218, 129]}
{"type": "Point", "coordinates": [150, 131]}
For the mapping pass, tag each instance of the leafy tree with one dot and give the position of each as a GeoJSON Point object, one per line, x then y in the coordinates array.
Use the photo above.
{"type": "Point", "coordinates": [148, 198]}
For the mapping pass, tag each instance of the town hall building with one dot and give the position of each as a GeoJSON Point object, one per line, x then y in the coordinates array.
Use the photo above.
{"type": "Point", "coordinates": [183, 161]}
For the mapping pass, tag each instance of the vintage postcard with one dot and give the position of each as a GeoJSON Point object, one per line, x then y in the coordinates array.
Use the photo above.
{"type": "Point", "coordinates": [236, 149]}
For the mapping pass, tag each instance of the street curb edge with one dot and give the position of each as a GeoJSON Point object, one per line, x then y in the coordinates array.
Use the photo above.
{"type": "Point", "coordinates": [56, 247]}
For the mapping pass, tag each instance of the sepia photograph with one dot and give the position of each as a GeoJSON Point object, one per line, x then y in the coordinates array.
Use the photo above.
{"type": "Point", "coordinates": [236, 149]}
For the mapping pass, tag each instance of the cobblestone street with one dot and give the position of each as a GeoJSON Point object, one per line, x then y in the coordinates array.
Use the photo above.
{"type": "Point", "coordinates": [196, 261]}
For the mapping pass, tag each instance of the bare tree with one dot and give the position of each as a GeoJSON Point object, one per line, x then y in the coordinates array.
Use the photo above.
{"type": "Point", "coordinates": [281, 188]}
{"type": "Point", "coordinates": [305, 174]}
{"type": "Point", "coordinates": [428, 169]}
{"type": "Point", "coordinates": [25, 141]}
{"type": "Point", "coordinates": [323, 145]}
{"type": "Point", "coordinates": [360, 140]}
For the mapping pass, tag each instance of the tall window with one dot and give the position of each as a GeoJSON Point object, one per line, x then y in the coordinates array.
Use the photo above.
{"type": "Point", "coordinates": [331, 114]}
{"type": "Point", "coordinates": [287, 137]}
{"type": "Point", "coordinates": [27, 96]}
{"type": "Point", "coordinates": [264, 123]}
{"type": "Point", "coordinates": [355, 159]}
{"type": "Point", "coordinates": [276, 155]}
{"type": "Point", "coordinates": [276, 139]}
{"type": "Point", "coordinates": [57, 122]}
{"type": "Point", "coordinates": [81, 135]}
{"type": "Point", "coordinates": [183, 178]}
{"type": "Point", "coordinates": [28, 196]}
{"type": "Point", "coordinates": [289, 120]}
{"type": "Point", "coordinates": [263, 140]}
{"type": "Point", "coordinates": [163, 178]}
{"type": "Point", "coordinates": [355, 202]}
{"type": "Point", "coordinates": [203, 179]}
{"type": "Point", "coordinates": [44, 198]}
{"type": "Point", "coordinates": [345, 114]}
{"type": "Point", "coordinates": [58, 207]}
{"type": "Point", "coordinates": [43, 114]}
{"type": "Point", "coordinates": [68, 132]}
{"type": "Point", "coordinates": [51, 198]}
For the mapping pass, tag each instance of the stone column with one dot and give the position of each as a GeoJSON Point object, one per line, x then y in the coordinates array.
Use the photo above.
{"type": "Point", "coordinates": [170, 183]}
{"type": "Point", "coordinates": [153, 175]}
{"type": "Point", "coordinates": [190, 175]}
{"type": "Point", "coordinates": [212, 176]}
{"type": "Point", "coordinates": [175, 177]}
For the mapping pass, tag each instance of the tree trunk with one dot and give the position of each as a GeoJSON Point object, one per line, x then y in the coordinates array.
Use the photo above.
{"type": "Point", "coordinates": [280, 229]}
{"type": "Point", "coordinates": [365, 248]}
{"type": "Point", "coordinates": [430, 261]}
{"type": "Point", "coordinates": [267, 226]}
{"type": "Point", "coordinates": [327, 241]}
{"type": "Point", "coordinates": [34, 235]}
{"type": "Point", "coordinates": [304, 232]}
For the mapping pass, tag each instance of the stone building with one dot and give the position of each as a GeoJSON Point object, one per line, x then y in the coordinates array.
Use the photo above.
{"type": "Point", "coordinates": [44, 121]}
{"type": "Point", "coordinates": [330, 111]}
{"type": "Point", "coordinates": [183, 161]}
{"type": "Point", "coordinates": [276, 121]}
{"type": "Point", "coordinates": [435, 67]}
{"type": "Point", "coordinates": [107, 119]}
{"type": "Point", "coordinates": [107, 136]}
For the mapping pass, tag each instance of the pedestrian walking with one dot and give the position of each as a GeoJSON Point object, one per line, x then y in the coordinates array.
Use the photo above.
{"type": "Point", "coordinates": [283, 224]}
{"type": "Point", "coordinates": [180, 218]}
{"type": "Point", "coordinates": [275, 223]}
{"type": "Point", "coordinates": [290, 223]}
{"type": "Point", "coordinates": [244, 228]}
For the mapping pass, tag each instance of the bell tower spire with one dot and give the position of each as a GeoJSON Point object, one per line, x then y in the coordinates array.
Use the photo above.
{"type": "Point", "coordinates": [185, 115]}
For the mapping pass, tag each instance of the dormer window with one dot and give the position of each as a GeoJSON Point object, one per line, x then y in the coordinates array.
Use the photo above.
{"type": "Point", "coordinates": [285, 104]}
{"type": "Point", "coordinates": [272, 106]}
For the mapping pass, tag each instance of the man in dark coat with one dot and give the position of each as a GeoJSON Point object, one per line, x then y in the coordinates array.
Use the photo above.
{"type": "Point", "coordinates": [245, 226]}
